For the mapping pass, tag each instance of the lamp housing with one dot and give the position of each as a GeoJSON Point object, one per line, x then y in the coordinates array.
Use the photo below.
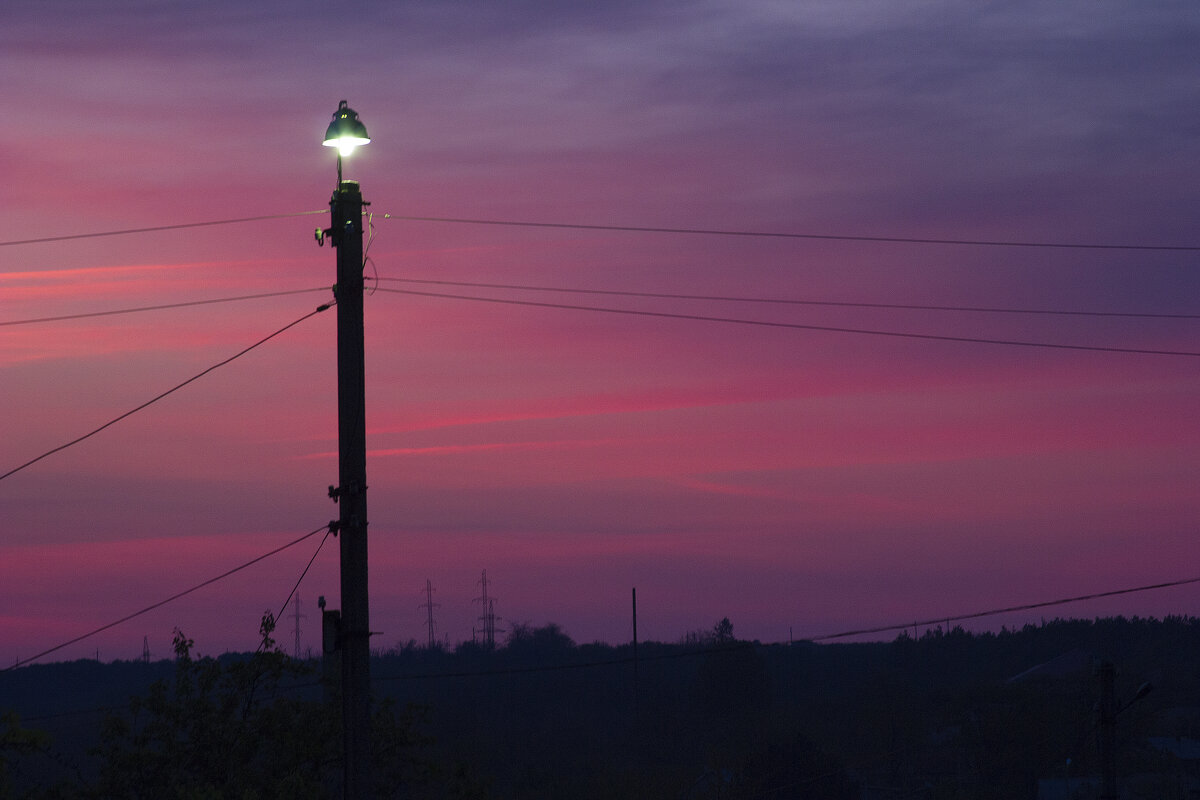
{"type": "Point", "coordinates": [346, 131]}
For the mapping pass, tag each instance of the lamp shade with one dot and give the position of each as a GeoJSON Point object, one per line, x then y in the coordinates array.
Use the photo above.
{"type": "Point", "coordinates": [345, 132]}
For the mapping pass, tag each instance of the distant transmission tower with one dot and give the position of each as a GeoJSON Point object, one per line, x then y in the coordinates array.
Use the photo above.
{"type": "Point", "coordinates": [145, 649]}
{"type": "Point", "coordinates": [297, 616]}
{"type": "Point", "coordinates": [491, 622]}
{"type": "Point", "coordinates": [430, 605]}
{"type": "Point", "coordinates": [488, 617]}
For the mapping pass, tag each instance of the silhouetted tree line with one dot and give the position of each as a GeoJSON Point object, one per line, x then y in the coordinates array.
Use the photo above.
{"type": "Point", "coordinates": [948, 714]}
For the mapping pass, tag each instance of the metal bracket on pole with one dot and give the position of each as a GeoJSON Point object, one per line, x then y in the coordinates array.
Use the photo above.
{"type": "Point", "coordinates": [336, 493]}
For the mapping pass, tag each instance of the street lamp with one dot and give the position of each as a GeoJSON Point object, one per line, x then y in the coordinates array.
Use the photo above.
{"type": "Point", "coordinates": [346, 132]}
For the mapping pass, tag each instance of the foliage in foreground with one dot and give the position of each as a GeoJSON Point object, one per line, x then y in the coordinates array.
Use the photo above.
{"type": "Point", "coordinates": [16, 741]}
{"type": "Point", "coordinates": [252, 728]}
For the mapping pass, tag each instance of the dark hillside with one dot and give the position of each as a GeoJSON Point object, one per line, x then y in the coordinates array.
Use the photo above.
{"type": "Point", "coordinates": [947, 715]}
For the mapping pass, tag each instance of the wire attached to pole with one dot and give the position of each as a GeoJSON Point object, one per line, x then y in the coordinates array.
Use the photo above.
{"type": "Point", "coordinates": [173, 389]}
{"type": "Point", "coordinates": [805, 327]}
{"type": "Point", "coordinates": [172, 598]}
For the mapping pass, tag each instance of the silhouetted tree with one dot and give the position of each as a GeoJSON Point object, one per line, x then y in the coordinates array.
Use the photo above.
{"type": "Point", "coordinates": [547, 644]}
{"type": "Point", "coordinates": [232, 728]}
{"type": "Point", "coordinates": [16, 741]}
{"type": "Point", "coordinates": [219, 729]}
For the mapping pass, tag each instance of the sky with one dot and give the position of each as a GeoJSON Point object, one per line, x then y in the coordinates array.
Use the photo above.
{"type": "Point", "coordinates": [801, 481]}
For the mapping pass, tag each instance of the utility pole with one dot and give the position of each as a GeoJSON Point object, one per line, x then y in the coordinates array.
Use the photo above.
{"type": "Point", "coordinates": [353, 633]}
{"type": "Point", "coordinates": [635, 642]}
{"type": "Point", "coordinates": [346, 234]}
{"type": "Point", "coordinates": [635, 655]}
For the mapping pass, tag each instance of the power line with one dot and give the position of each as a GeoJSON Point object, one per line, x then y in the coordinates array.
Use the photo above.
{"type": "Point", "coordinates": [305, 572]}
{"type": "Point", "coordinates": [114, 312]}
{"type": "Point", "coordinates": [635, 229]}
{"type": "Point", "coordinates": [175, 388]}
{"type": "Point", "coordinates": [616, 293]}
{"type": "Point", "coordinates": [801, 326]}
{"type": "Point", "coordinates": [995, 611]}
{"type": "Point", "coordinates": [788, 301]}
{"type": "Point", "coordinates": [785, 235]}
{"type": "Point", "coordinates": [173, 597]}
{"type": "Point", "coordinates": [181, 226]}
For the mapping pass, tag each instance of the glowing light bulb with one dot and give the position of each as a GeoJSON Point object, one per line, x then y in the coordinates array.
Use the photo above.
{"type": "Point", "coordinates": [345, 132]}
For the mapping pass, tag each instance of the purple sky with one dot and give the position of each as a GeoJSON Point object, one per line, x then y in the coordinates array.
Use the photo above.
{"type": "Point", "coordinates": [799, 482]}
